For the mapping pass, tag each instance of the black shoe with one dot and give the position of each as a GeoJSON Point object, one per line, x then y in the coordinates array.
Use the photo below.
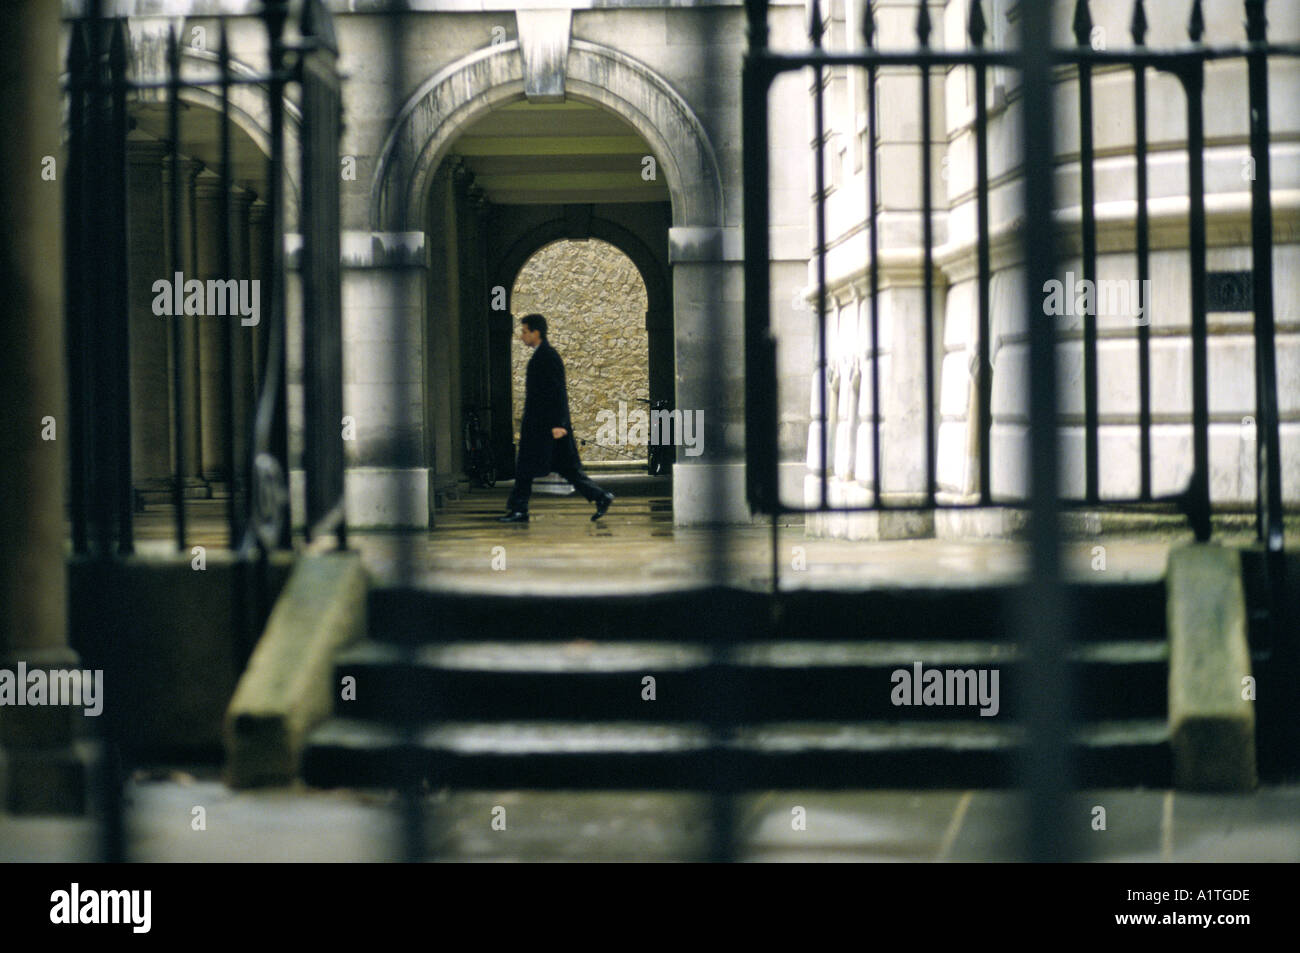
{"type": "Point", "coordinates": [515, 516]}
{"type": "Point", "coordinates": [602, 506]}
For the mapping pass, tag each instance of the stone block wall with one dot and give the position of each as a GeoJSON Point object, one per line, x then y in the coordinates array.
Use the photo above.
{"type": "Point", "coordinates": [595, 303]}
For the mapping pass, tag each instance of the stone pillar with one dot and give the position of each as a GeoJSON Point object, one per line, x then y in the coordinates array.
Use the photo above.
{"type": "Point", "coordinates": [386, 483]}
{"type": "Point", "coordinates": [902, 313]}
{"type": "Point", "coordinates": [187, 326]}
{"type": "Point", "coordinates": [40, 769]}
{"type": "Point", "coordinates": [214, 411]}
{"type": "Point", "coordinates": [151, 419]}
{"type": "Point", "coordinates": [708, 298]}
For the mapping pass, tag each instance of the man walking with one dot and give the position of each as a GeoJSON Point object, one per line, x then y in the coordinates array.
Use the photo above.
{"type": "Point", "coordinates": [546, 433]}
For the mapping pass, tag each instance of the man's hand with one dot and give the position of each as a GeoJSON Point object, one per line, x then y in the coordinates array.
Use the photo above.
{"type": "Point", "coordinates": [558, 432]}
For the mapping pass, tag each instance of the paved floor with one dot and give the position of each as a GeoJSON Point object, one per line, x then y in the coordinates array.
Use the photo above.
{"type": "Point", "coordinates": [297, 824]}
{"type": "Point", "coordinates": [636, 547]}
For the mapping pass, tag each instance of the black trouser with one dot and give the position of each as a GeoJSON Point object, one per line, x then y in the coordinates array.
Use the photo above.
{"type": "Point", "coordinates": [571, 470]}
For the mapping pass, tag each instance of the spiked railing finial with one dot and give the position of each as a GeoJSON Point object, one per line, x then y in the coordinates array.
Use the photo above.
{"type": "Point", "coordinates": [1256, 21]}
{"type": "Point", "coordinates": [923, 23]}
{"type": "Point", "coordinates": [977, 27]}
{"type": "Point", "coordinates": [1082, 23]}
{"type": "Point", "coordinates": [1138, 25]}
{"type": "Point", "coordinates": [1196, 25]}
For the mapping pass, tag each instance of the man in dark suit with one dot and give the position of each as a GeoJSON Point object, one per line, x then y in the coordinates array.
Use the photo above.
{"type": "Point", "coordinates": [546, 433]}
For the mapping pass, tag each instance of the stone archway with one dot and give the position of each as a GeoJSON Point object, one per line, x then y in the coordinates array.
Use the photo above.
{"type": "Point", "coordinates": [701, 248]}
{"type": "Point", "coordinates": [655, 274]}
{"type": "Point", "coordinates": [250, 110]}
{"type": "Point", "coordinates": [454, 98]}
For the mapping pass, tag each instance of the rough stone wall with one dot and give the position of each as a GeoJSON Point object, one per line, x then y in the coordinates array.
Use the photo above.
{"type": "Point", "coordinates": [594, 302]}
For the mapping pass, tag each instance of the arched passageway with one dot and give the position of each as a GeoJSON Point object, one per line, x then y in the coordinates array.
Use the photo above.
{"type": "Point", "coordinates": [594, 301]}
{"type": "Point", "coordinates": [515, 182]}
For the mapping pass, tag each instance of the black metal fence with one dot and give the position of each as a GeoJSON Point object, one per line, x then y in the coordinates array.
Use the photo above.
{"type": "Point", "coordinates": [102, 499]}
{"type": "Point", "coordinates": [1188, 65]}
{"type": "Point", "coordinates": [1045, 634]}
{"type": "Point", "coordinates": [102, 96]}
{"type": "Point", "coordinates": [257, 510]}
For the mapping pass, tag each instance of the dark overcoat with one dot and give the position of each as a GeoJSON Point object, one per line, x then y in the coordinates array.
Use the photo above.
{"type": "Point", "coordinates": [546, 405]}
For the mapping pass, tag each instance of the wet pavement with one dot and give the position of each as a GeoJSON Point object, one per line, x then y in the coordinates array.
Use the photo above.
{"type": "Point", "coordinates": [636, 548]}
{"type": "Point", "coordinates": [299, 824]}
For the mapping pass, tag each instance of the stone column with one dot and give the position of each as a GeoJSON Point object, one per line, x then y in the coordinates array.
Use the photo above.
{"type": "Point", "coordinates": [214, 411]}
{"type": "Point", "coordinates": [187, 326]}
{"type": "Point", "coordinates": [384, 292]}
{"type": "Point", "coordinates": [708, 298]}
{"type": "Point", "coordinates": [902, 313]}
{"type": "Point", "coordinates": [151, 419]}
{"type": "Point", "coordinates": [40, 770]}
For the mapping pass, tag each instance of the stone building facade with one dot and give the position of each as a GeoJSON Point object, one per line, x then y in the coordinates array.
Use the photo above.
{"type": "Point", "coordinates": [509, 128]}
{"type": "Point", "coordinates": [898, 137]}
{"type": "Point", "coordinates": [505, 130]}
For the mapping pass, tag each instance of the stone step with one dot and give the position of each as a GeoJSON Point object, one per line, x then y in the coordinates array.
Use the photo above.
{"type": "Point", "coordinates": [559, 755]}
{"type": "Point", "coordinates": [1102, 611]}
{"type": "Point", "coordinates": [604, 681]}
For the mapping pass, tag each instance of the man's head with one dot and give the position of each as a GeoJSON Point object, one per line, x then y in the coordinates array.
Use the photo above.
{"type": "Point", "coordinates": [532, 329]}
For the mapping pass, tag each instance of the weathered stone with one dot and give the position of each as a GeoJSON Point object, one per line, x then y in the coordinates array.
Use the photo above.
{"type": "Point", "coordinates": [1211, 720]}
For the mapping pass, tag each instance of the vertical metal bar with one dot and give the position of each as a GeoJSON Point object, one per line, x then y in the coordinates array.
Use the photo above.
{"type": "Point", "coordinates": [873, 239]}
{"type": "Point", "coordinates": [927, 241]}
{"type": "Point", "coordinates": [76, 225]}
{"type": "Point", "coordinates": [1267, 443]}
{"type": "Point", "coordinates": [819, 179]}
{"type": "Point", "coordinates": [761, 483]}
{"type": "Point", "coordinates": [1198, 492]}
{"type": "Point", "coordinates": [725, 775]}
{"type": "Point", "coordinates": [1143, 248]}
{"type": "Point", "coordinates": [273, 430]}
{"type": "Point", "coordinates": [1043, 620]}
{"type": "Point", "coordinates": [178, 348]}
{"type": "Point", "coordinates": [1088, 213]}
{"type": "Point", "coordinates": [100, 257]}
{"type": "Point", "coordinates": [120, 303]}
{"type": "Point", "coordinates": [233, 528]}
{"type": "Point", "coordinates": [417, 828]}
{"type": "Point", "coordinates": [95, 274]}
{"type": "Point", "coordinates": [984, 380]}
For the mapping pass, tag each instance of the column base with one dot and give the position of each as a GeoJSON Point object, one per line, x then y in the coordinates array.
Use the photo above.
{"type": "Point", "coordinates": [693, 503]}
{"type": "Point", "coordinates": [374, 497]}
{"type": "Point", "coordinates": [44, 767]}
{"type": "Point", "coordinates": [47, 780]}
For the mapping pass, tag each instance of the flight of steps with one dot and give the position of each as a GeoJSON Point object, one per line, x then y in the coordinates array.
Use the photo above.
{"type": "Point", "coordinates": [502, 692]}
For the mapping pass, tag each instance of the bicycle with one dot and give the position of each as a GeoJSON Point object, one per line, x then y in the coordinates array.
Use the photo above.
{"type": "Point", "coordinates": [662, 451]}
{"type": "Point", "coordinates": [480, 466]}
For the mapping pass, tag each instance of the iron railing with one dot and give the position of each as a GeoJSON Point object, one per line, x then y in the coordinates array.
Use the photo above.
{"type": "Point", "coordinates": [1188, 66]}
{"type": "Point", "coordinates": [102, 499]}
{"type": "Point", "coordinates": [256, 463]}
{"type": "Point", "coordinates": [1045, 636]}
